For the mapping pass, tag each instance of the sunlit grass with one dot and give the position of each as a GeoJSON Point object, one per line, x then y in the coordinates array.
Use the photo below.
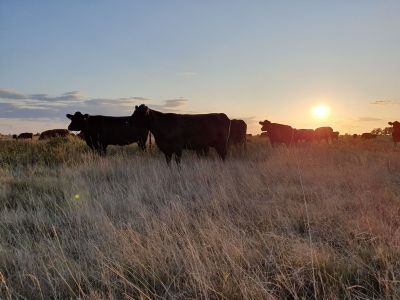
{"type": "Point", "coordinates": [317, 221]}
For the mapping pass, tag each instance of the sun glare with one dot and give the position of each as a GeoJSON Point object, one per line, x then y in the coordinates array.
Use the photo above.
{"type": "Point", "coordinates": [320, 111]}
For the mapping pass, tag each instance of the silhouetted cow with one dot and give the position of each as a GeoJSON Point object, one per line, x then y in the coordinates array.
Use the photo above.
{"type": "Point", "coordinates": [53, 133]}
{"type": "Point", "coordinates": [25, 135]}
{"type": "Point", "coordinates": [14, 136]}
{"type": "Point", "coordinates": [175, 132]}
{"type": "Point", "coordinates": [306, 135]}
{"type": "Point", "coordinates": [368, 136]}
{"type": "Point", "coordinates": [355, 136]}
{"type": "Point", "coordinates": [278, 133]}
{"type": "Point", "coordinates": [335, 135]}
{"type": "Point", "coordinates": [323, 133]}
{"type": "Point", "coordinates": [395, 131]}
{"type": "Point", "coordinates": [237, 134]}
{"type": "Point", "coordinates": [101, 131]}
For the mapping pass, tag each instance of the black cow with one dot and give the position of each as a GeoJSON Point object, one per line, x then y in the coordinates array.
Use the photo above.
{"type": "Point", "coordinates": [101, 131]}
{"type": "Point", "coordinates": [25, 135]}
{"type": "Point", "coordinates": [395, 131]}
{"type": "Point", "coordinates": [278, 133]}
{"type": "Point", "coordinates": [335, 136]}
{"type": "Point", "coordinates": [53, 133]}
{"type": "Point", "coordinates": [323, 133]}
{"type": "Point", "coordinates": [304, 135]}
{"type": "Point", "coordinates": [175, 132]}
{"type": "Point", "coordinates": [368, 136]}
{"type": "Point", "coordinates": [237, 134]}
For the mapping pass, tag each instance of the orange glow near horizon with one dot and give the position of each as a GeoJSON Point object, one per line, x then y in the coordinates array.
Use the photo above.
{"type": "Point", "coordinates": [320, 111]}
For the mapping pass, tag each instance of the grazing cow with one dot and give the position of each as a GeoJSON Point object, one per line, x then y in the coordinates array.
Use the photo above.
{"type": "Point", "coordinates": [15, 137]}
{"type": "Point", "coordinates": [25, 135]}
{"type": "Point", "coordinates": [53, 133]}
{"type": "Point", "coordinates": [368, 136]}
{"type": "Point", "coordinates": [306, 135]}
{"type": "Point", "coordinates": [335, 135]}
{"type": "Point", "coordinates": [278, 133]}
{"type": "Point", "coordinates": [323, 133]}
{"type": "Point", "coordinates": [237, 134]}
{"type": "Point", "coordinates": [101, 131]}
{"type": "Point", "coordinates": [395, 131]}
{"type": "Point", "coordinates": [175, 132]}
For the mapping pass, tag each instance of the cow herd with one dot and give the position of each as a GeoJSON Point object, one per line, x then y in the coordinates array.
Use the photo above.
{"type": "Point", "coordinates": [285, 134]}
{"type": "Point", "coordinates": [174, 132]}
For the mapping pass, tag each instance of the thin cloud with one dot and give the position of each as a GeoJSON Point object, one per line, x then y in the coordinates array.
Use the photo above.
{"type": "Point", "coordinates": [369, 119]}
{"type": "Point", "coordinates": [14, 104]}
{"type": "Point", "coordinates": [7, 94]}
{"type": "Point", "coordinates": [385, 102]}
{"type": "Point", "coordinates": [173, 103]}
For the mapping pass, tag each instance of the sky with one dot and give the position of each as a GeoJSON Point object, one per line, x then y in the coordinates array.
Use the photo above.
{"type": "Point", "coordinates": [253, 60]}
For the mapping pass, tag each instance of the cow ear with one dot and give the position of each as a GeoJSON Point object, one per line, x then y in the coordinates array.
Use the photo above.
{"type": "Point", "coordinates": [136, 107]}
{"type": "Point", "coordinates": [390, 123]}
{"type": "Point", "coordinates": [69, 116]}
{"type": "Point", "coordinates": [261, 123]}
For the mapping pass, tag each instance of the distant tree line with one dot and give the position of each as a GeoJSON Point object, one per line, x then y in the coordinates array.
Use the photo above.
{"type": "Point", "coordinates": [384, 131]}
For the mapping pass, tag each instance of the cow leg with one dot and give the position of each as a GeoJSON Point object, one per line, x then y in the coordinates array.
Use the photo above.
{"type": "Point", "coordinates": [178, 156]}
{"type": "Point", "coordinates": [142, 144]}
{"type": "Point", "coordinates": [168, 157]}
{"type": "Point", "coordinates": [222, 151]}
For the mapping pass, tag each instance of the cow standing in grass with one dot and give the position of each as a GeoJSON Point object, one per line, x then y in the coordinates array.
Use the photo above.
{"type": "Point", "coordinates": [335, 136]}
{"type": "Point", "coordinates": [101, 131]}
{"type": "Point", "coordinates": [304, 135]}
{"type": "Point", "coordinates": [368, 136]}
{"type": "Point", "coordinates": [323, 133]}
{"type": "Point", "coordinates": [278, 133]}
{"type": "Point", "coordinates": [395, 131]}
{"type": "Point", "coordinates": [237, 134]}
{"type": "Point", "coordinates": [176, 132]}
{"type": "Point", "coordinates": [54, 133]}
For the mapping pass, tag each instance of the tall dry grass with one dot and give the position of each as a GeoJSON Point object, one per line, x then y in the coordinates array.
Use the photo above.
{"type": "Point", "coordinates": [318, 221]}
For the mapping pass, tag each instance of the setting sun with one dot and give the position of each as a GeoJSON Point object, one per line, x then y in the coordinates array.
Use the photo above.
{"type": "Point", "coordinates": [320, 111]}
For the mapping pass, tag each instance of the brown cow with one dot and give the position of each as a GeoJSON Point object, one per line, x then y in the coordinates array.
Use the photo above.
{"type": "Point", "coordinates": [175, 132]}
{"type": "Point", "coordinates": [237, 134]}
{"type": "Point", "coordinates": [53, 133]}
{"type": "Point", "coordinates": [368, 136]}
{"type": "Point", "coordinates": [395, 131]}
{"type": "Point", "coordinates": [306, 135]}
{"type": "Point", "coordinates": [323, 133]}
{"type": "Point", "coordinates": [278, 133]}
{"type": "Point", "coordinates": [101, 131]}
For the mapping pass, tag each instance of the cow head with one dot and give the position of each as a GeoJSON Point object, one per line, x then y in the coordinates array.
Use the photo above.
{"type": "Point", "coordinates": [141, 116]}
{"type": "Point", "coordinates": [78, 121]}
{"type": "Point", "coordinates": [395, 124]}
{"type": "Point", "coordinates": [265, 124]}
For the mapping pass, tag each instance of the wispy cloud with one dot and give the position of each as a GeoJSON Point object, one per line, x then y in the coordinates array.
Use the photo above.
{"type": "Point", "coordinates": [385, 102]}
{"type": "Point", "coordinates": [14, 104]}
{"type": "Point", "coordinates": [175, 102]}
{"type": "Point", "coordinates": [369, 119]}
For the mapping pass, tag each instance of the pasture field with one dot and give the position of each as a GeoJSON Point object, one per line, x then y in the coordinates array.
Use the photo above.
{"type": "Point", "coordinates": [307, 222]}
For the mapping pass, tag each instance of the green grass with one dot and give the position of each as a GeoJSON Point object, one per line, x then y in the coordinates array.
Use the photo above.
{"type": "Point", "coordinates": [312, 221]}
